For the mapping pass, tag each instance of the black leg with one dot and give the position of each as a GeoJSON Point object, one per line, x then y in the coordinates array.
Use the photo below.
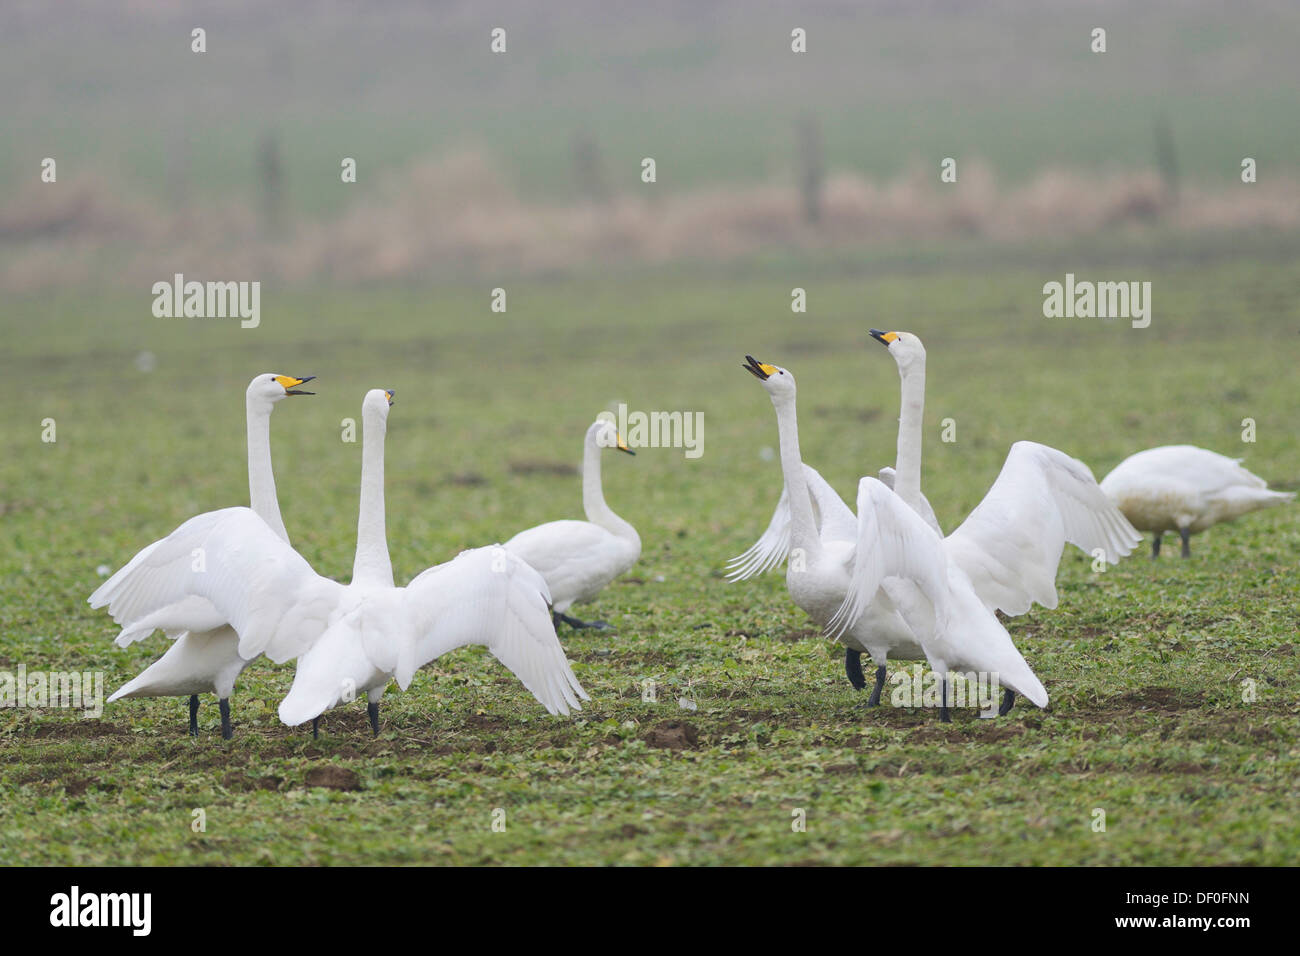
{"type": "Point", "coordinates": [226, 731]}
{"type": "Point", "coordinates": [1187, 541]}
{"type": "Point", "coordinates": [315, 727]}
{"type": "Point", "coordinates": [373, 711]}
{"type": "Point", "coordinates": [853, 668]}
{"type": "Point", "coordinates": [577, 624]}
{"type": "Point", "coordinates": [1008, 701]}
{"type": "Point", "coordinates": [944, 716]}
{"type": "Point", "coordinates": [194, 715]}
{"type": "Point", "coordinates": [1155, 545]}
{"type": "Point", "coordinates": [874, 699]}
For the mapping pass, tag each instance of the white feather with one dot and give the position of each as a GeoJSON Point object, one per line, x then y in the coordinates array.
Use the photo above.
{"type": "Point", "coordinates": [899, 552]}
{"type": "Point", "coordinates": [1010, 546]}
{"type": "Point", "coordinates": [579, 559]}
{"type": "Point", "coordinates": [204, 656]}
{"type": "Point", "coordinates": [1177, 487]}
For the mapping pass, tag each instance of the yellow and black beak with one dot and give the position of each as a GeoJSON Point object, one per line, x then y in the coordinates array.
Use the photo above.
{"type": "Point", "coordinates": [291, 384]}
{"type": "Point", "coordinates": [390, 393]}
{"type": "Point", "coordinates": [622, 445]}
{"type": "Point", "coordinates": [758, 369]}
{"type": "Point", "coordinates": [884, 338]}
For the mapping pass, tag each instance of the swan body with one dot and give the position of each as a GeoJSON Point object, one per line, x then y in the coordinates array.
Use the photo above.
{"type": "Point", "coordinates": [578, 559]}
{"type": "Point", "coordinates": [348, 639]}
{"type": "Point", "coordinates": [819, 542]}
{"type": "Point", "coordinates": [1185, 489]}
{"type": "Point", "coordinates": [484, 596]}
{"type": "Point", "coordinates": [1006, 553]}
{"type": "Point", "coordinates": [204, 656]}
{"type": "Point", "coordinates": [899, 553]}
{"type": "Point", "coordinates": [1010, 546]}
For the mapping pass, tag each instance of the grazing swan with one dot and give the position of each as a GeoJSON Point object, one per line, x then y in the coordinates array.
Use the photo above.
{"type": "Point", "coordinates": [208, 661]}
{"type": "Point", "coordinates": [900, 555]}
{"type": "Point", "coordinates": [1009, 547]}
{"type": "Point", "coordinates": [355, 638]}
{"type": "Point", "coordinates": [1185, 489]}
{"type": "Point", "coordinates": [579, 558]}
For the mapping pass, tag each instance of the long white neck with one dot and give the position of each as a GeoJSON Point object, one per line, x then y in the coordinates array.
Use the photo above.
{"type": "Point", "coordinates": [907, 481]}
{"type": "Point", "coordinates": [803, 526]}
{"type": "Point", "coordinates": [593, 496]}
{"type": "Point", "coordinates": [261, 479]}
{"type": "Point", "coordinates": [372, 565]}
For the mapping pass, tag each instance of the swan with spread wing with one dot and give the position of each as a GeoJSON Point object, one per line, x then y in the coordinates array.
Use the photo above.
{"type": "Point", "coordinates": [206, 660]}
{"type": "Point", "coordinates": [348, 639]}
{"type": "Point", "coordinates": [1009, 548]}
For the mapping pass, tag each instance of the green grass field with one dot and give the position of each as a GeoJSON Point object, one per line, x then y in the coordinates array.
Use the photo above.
{"type": "Point", "coordinates": [1144, 663]}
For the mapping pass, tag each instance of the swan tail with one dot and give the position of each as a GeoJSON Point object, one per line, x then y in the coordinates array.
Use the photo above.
{"type": "Point", "coordinates": [1028, 685]}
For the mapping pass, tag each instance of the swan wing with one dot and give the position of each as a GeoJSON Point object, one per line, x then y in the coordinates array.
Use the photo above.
{"type": "Point", "coordinates": [191, 614]}
{"type": "Point", "coordinates": [491, 597]}
{"type": "Point", "coordinates": [575, 557]}
{"type": "Point", "coordinates": [926, 510]}
{"type": "Point", "coordinates": [1010, 546]}
{"type": "Point", "coordinates": [894, 544]}
{"type": "Point", "coordinates": [233, 560]}
{"type": "Point", "coordinates": [770, 550]}
{"type": "Point", "coordinates": [834, 522]}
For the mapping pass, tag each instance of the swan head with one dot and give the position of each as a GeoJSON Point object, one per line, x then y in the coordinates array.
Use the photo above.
{"type": "Point", "coordinates": [905, 347]}
{"type": "Point", "coordinates": [268, 388]}
{"type": "Point", "coordinates": [604, 434]}
{"type": "Point", "coordinates": [376, 404]}
{"type": "Point", "coordinates": [778, 381]}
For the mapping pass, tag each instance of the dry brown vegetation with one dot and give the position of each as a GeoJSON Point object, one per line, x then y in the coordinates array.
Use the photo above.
{"type": "Point", "coordinates": [459, 215]}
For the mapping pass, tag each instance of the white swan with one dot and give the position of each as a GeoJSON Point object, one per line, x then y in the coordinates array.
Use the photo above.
{"type": "Point", "coordinates": [900, 555]}
{"type": "Point", "coordinates": [1185, 489]}
{"type": "Point", "coordinates": [1010, 546]}
{"type": "Point", "coordinates": [579, 558]}
{"type": "Point", "coordinates": [349, 639]}
{"type": "Point", "coordinates": [208, 661]}
{"type": "Point", "coordinates": [819, 534]}
{"type": "Point", "coordinates": [1039, 488]}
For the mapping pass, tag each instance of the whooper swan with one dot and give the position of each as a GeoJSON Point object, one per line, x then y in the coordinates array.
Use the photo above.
{"type": "Point", "coordinates": [355, 638]}
{"type": "Point", "coordinates": [1185, 489]}
{"type": "Point", "coordinates": [208, 661]}
{"type": "Point", "coordinates": [579, 558]}
{"type": "Point", "coordinates": [898, 554]}
{"type": "Point", "coordinates": [1010, 546]}
{"type": "Point", "coordinates": [819, 534]}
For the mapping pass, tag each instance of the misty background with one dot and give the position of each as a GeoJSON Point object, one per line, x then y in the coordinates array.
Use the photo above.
{"type": "Point", "coordinates": [226, 164]}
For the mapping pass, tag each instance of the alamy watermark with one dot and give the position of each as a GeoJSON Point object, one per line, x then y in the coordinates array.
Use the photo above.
{"type": "Point", "coordinates": [921, 688]}
{"type": "Point", "coordinates": [208, 300]}
{"type": "Point", "coordinates": [68, 690]}
{"type": "Point", "coordinates": [1084, 299]}
{"type": "Point", "coordinates": [74, 908]}
{"type": "Point", "coordinates": [659, 429]}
